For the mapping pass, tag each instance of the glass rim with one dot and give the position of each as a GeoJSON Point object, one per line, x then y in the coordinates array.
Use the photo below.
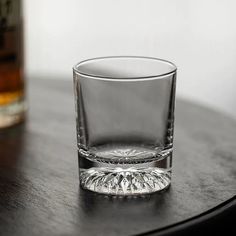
{"type": "Point", "coordinates": [129, 78]}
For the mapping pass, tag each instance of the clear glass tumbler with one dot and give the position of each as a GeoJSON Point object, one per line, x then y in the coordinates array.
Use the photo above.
{"type": "Point", "coordinates": [125, 121]}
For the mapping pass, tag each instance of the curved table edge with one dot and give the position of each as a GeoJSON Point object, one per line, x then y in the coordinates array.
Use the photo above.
{"type": "Point", "coordinates": [217, 219]}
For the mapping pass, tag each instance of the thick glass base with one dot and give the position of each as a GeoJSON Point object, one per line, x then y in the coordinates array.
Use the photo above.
{"type": "Point", "coordinates": [126, 178]}
{"type": "Point", "coordinates": [12, 114]}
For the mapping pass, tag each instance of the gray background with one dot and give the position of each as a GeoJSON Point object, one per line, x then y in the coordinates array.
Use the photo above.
{"type": "Point", "coordinates": [199, 36]}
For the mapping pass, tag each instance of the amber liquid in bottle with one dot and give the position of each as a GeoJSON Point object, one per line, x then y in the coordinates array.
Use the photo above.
{"type": "Point", "coordinates": [12, 105]}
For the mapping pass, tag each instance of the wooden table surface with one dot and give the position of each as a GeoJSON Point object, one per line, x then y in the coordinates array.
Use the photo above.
{"type": "Point", "coordinates": [39, 188]}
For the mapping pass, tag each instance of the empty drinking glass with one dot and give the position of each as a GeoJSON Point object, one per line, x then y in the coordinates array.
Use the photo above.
{"type": "Point", "coordinates": [125, 122]}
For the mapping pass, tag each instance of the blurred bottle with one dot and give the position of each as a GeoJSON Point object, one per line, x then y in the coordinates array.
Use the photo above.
{"type": "Point", "coordinates": [12, 104]}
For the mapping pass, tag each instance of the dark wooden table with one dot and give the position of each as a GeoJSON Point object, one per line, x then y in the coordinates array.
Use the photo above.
{"type": "Point", "coordinates": [39, 191]}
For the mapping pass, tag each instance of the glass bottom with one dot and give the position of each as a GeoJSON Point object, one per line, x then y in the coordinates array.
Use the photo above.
{"type": "Point", "coordinates": [131, 177]}
{"type": "Point", "coordinates": [12, 113]}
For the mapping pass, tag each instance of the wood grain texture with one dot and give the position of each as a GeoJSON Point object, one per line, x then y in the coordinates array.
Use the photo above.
{"type": "Point", "coordinates": [39, 191]}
